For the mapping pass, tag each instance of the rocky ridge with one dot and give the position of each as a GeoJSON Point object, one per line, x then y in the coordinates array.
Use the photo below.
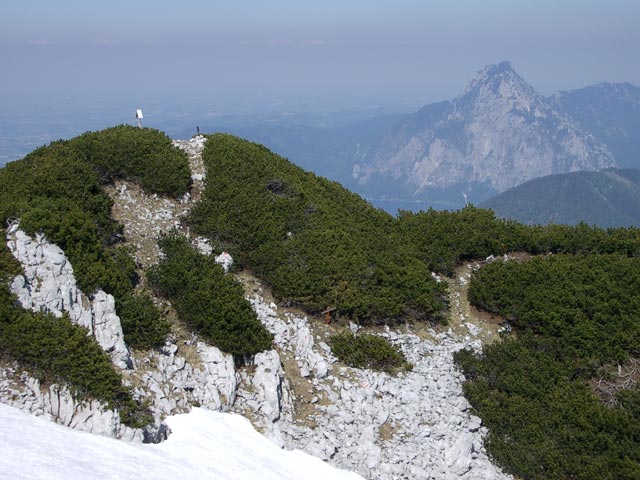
{"type": "Point", "coordinates": [414, 425]}
{"type": "Point", "coordinates": [56, 403]}
{"type": "Point", "coordinates": [48, 284]}
{"type": "Point", "coordinates": [165, 378]}
{"type": "Point", "coordinates": [145, 217]}
{"type": "Point", "coordinates": [169, 380]}
{"type": "Point", "coordinates": [611, 113]}
{"type": "Point", "coordinates": [185, 371]}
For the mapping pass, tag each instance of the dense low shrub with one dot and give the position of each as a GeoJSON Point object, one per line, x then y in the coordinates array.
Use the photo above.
{"type": "Point", "coordinates": [367, 351]}
{"type": "Point", "coordinates": [142, 324]}
{"type": "Point", "coordinates": [142, 155]}
{"type": "Point", "coordinates": [56, 178]}
{"type": "Point", "coordinates": [444, 239]}
{"type": "Point", "coordinates": [572, 315]}
{"type": "Point", "coordinates": [209, 301]}
{"type": "Point", "coordinates": [316, 244]}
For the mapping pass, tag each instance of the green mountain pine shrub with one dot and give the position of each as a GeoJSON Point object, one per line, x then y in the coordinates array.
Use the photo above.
{"type": "Point", "coordinates": [367, 351]}
{"type": "Point", "coordinates": [143, 326]}
{"type": "Point", "coordinates": [145, 156]}
{"type": "Point", "coordinates": [572, 315]}
{"type": "Point", "coordinates": [444, 239]}
{"type": "Point", "coordinates": [315, 243]}
{"type": "Point", "coordinates": [210, 302]}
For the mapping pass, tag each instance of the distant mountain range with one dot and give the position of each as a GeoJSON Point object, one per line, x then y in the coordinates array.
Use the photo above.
{"type": "Point", "coordinates": [497, 134]}
{"type": "Point", "coordinates": [610, 198]}
{"type": "Point", "coordinates": [611, 113]}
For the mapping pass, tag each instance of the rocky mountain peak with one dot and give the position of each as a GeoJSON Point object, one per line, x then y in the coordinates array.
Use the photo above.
{"type": "Point", "coordinates": [499, 86]}
{"type": "Point", "coordinates": [604, 93]}
{"type": "Point", "coordinates": [498, 133]}
{"type": "Point", "coordinates": [492, 73]}
{"type": "Point", "coordinates": [624, 88]}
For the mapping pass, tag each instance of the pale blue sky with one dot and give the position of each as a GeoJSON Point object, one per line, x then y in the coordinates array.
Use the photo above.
{"type": "Point", "coordinates": [266, 51]}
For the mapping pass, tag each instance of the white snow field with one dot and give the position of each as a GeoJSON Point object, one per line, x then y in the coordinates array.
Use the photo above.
{"type": "Point", "coordinates": [203, 445]}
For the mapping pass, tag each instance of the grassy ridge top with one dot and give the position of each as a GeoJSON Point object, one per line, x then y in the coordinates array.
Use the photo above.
{"type": "Point", "coordinates": [316, 243]}
{"type": "Point", "coordinates": [319, 245]}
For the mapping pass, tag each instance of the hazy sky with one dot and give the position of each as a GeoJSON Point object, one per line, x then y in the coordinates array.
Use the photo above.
{"type": "Point", "coordinates": [330, 51]}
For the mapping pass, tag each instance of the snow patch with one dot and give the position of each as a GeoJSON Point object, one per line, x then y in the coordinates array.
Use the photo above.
{"type": "Point", "coordinates": [203, 445]}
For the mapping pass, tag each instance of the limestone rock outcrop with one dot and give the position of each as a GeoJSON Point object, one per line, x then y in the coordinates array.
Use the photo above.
{"type": "Point", "coordinates": [413, 425]}
{"type": "Point", "coordinates": [48, 284]}
{"type": "Point", "coordinates": [177, 377]}
{"type": "Point", "coordinates": [56, 403]}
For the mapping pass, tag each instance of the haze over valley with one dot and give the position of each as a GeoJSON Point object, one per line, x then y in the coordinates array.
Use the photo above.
{"type": "Point", "coordinates": [498, 133]}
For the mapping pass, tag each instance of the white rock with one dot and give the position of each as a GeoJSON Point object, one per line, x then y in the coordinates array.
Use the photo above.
{"type": "Point", "coordinates": [173, 385]}
{"type": "Point", "coordinates": [458, 456]}
{"type": "Point", "coordinates": [265, 393]}
{"type": "Point", "coordinates": [224, 260]}
{"type": "Point", "coordinates": [203, 245]}
{"type": "Point", "coordinates": [55, 403]}
{"type": "Point", "coordinates": [473, 329]}
{"type": "Point", "coordinates": [48, 284]}
{"type": "Point", "coordinates": [474, 424]}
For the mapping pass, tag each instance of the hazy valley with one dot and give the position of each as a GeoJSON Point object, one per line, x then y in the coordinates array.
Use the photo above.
{"type": "Point", "coordinates": [496, 135]}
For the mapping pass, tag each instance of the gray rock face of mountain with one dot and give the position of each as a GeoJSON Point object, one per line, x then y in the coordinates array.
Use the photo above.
{"type": "Point", "coordinates": [611, 113]}
{"type": "Point", "coordinates": [498, 133]}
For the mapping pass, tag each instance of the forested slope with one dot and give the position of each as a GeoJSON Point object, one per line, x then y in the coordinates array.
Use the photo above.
{"type": "Point", "coordinates": [610, 198]}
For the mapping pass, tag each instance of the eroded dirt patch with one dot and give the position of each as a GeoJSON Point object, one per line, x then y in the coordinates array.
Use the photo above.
{"type": "Point", "coordinates": [146, 216]}
{"type": "Point", "coordinates": [465, 319]}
